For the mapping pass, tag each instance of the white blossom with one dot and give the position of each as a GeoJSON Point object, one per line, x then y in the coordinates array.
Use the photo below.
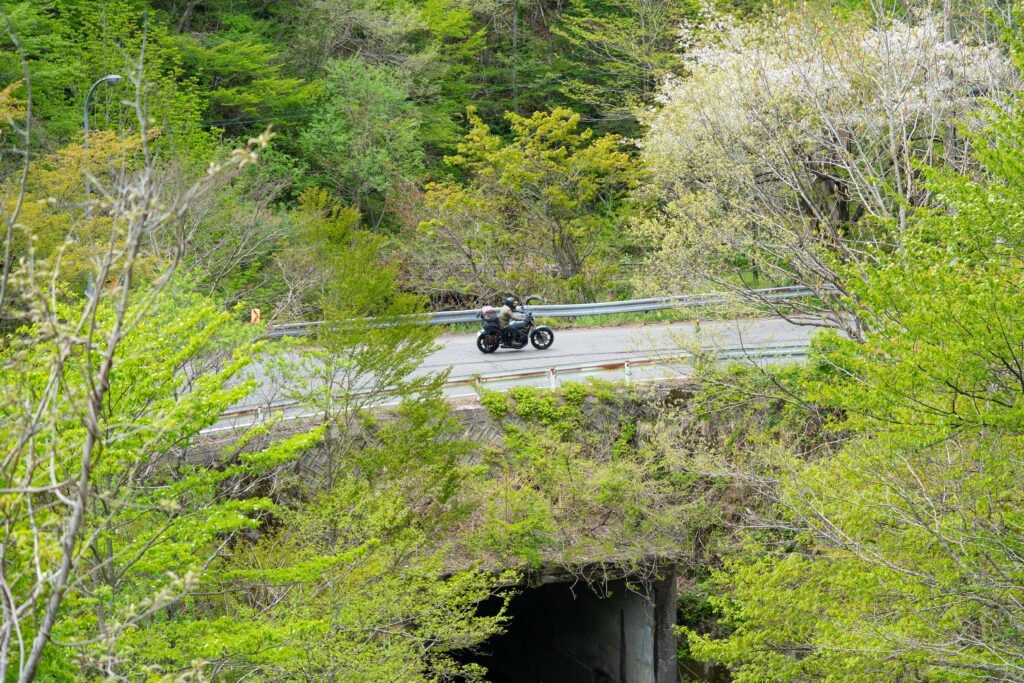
{"type": "Point", "coordinates": [860, 78]}
{"type": "Point", "coordinates": [787, 138]}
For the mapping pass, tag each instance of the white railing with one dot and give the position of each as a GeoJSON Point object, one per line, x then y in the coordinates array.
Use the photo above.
{"type": "Point", "coordinates": [626, 370]}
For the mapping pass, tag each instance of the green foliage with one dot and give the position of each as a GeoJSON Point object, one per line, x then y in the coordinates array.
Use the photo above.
{"type": "Point", "coordinates": [366, 97]}
{"type": "Point", "coordinates": [696, 613]}
{"type": "Point", "coordinates": [496, 402]}
{"type": "Point", "coordinates": [575, 483]}
{"type": "Point", "coordinates": [373, 339]}
{"type": "Point", "coordinates": [53, 226]}
{"type": "Point", "coordinates": [560, 413]}
{"type": "Point", "coordinates": [552, 198]}
{"type": "Point", "coordinates": [242, 77]}
{"type": "Point", "coordinates": [157, 524]}
{"type": "Point", "coordinates": [352, 583]}
{"type": "Point", "coordinates": [518, 527]}
{"type": "Point", "coordinates": [635, 37]}
{"type": "Point", "coordinates": [765, 407]}
{"type": "Point", "coordinates": [186, 563]}
{"type": "Point", "coordinates": [909, 558]}
{"type": "Point", "coordinates": [70, 44]}
{"type": "Point", "coordinates": [603, 390]}
{"type": "Point", "coordinates": [325, 230]}
{"type": "Point", "coordinates": [366, 139]}
{"type": "Point", "coordinates": [174, 562]}
{"type": "Point", "coordinates": [624, 443]}
{"type": "Point", "coordinates": [752, 184]}
{"type": "Point", "coordinates": [893, 555]}
{"type": "Point", "coordinates": [192, 563]}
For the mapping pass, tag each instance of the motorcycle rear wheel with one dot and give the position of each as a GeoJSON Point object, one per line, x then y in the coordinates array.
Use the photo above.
{"type": "Point", "coordinates": [488, 343]}
{"type": "Point", "coordinates": [542, 339]}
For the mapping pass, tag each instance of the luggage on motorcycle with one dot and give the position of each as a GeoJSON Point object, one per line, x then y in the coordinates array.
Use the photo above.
{"type": "Point", "coordinates": [490, 318]}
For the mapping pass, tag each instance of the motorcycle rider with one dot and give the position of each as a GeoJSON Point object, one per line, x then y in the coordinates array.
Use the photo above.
{"type": "Point", "coordinates": [506, 316]}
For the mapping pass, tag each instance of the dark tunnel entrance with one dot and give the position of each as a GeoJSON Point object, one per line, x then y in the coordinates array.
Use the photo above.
{"type": "Point", "coordinates": [565, 633]}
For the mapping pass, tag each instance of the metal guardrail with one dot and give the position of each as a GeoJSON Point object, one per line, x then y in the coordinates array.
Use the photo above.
{"type": "Point", "coordinates": [625, 369]}
{"type": "Point", "coordinates": [574, 310]}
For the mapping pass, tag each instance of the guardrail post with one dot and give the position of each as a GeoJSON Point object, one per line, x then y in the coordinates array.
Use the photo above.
{"type": "Point", "coordinates": [627, 372]}
{"type": "Point", "coordinates": [553, 378]}
{"type": "Point", "coordinates": [476, 383]}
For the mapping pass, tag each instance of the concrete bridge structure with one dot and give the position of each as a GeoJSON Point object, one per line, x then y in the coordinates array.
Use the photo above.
{"type": "Point", "coordinates": [591, 624]}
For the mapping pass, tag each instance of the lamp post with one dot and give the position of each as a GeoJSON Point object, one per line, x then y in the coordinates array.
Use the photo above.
{"type": "Point", "coordinates": [112, 79]}
{"type": "Point", "coordinates": [109, 79]}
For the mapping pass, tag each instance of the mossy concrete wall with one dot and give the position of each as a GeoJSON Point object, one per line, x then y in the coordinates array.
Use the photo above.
{"type": "Point", "coordinates": [603, 417]}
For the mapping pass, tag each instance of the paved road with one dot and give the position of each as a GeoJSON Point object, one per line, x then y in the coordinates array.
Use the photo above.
{"type": "Point", "coordinates": [574, 347]}
{"type": "Point", "coordinates": [577, 346]}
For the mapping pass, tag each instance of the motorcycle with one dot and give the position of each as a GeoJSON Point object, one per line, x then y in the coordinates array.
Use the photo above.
{"type": "Point", "coordinates": [488, 339]}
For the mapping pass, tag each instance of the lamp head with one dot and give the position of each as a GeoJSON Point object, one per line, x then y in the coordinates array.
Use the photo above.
{"type": "Point", "coordinates": [112, 79]}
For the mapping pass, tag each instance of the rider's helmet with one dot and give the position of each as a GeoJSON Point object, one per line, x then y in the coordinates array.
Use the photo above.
{"type": "Point", "coordinates": [510, 302]}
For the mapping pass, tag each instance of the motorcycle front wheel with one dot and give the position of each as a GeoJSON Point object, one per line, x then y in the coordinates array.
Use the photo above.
{"type": "Point", "coordinates": [488, 343]}
{"type": "Point", "coordinates": [541, 339]}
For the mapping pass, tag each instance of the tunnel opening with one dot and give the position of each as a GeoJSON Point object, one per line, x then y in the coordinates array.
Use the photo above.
{"type": "Point", "coordinates": [567, 632]}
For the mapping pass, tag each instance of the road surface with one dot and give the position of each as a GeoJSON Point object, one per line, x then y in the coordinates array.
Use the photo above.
{"type": "Point", "coordinates": [573, 347]}
{"type": "Point", "coordinates": [593, 345]}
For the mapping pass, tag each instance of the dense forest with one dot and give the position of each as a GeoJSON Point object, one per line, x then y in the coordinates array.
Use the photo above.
{"type": "Point", "coordinates": [387, 107]}
{"type": "Point", "coordinates": [168, 166]}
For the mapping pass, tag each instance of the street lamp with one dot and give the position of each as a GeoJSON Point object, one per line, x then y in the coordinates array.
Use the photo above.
{"type": "Point", "coordinates": [109, 79]}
